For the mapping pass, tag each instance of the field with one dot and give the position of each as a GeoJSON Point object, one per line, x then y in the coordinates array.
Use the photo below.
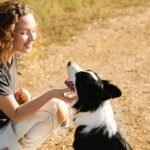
{"type": "Point", "coordinates": [116, 44]}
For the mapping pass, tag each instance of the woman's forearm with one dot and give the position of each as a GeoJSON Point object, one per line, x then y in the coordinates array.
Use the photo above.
{"type": "Point", "coordinates": [16, 112]}
{"type": "Point", "coordinates": [27, 109]}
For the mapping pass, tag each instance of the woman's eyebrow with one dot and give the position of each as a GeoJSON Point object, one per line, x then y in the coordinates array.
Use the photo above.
{"type": "Point", "coordinates": [25, 28]}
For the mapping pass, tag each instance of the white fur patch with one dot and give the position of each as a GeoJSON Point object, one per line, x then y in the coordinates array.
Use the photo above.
{"type": "Point", "coordinates": [72, 70]}
{"type": "Point", "coordinates": [103, 116]}
{"type": "Point", "coordinates": [93, 75]}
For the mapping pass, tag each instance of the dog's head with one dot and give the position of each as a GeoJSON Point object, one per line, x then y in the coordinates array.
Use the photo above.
{"type": "Point", "coordinates": [91, 90]}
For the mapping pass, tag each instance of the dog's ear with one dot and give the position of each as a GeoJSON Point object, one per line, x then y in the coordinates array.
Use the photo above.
{"type": "Point", "coordinates": [111, 90]}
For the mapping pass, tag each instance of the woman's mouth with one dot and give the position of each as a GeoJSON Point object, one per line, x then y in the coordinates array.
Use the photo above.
{"type": "Point", "coordinates": [28, 45]}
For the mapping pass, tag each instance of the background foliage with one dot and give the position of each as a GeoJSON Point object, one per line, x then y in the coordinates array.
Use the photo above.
{"type": "Point", "coordinates": [59, 20]}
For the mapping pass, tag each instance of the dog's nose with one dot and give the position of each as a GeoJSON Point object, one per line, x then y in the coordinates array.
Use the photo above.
{"type": "Point", "coordinates": [69, 63]}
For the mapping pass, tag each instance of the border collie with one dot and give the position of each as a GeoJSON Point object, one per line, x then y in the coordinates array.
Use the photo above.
{"type": "Point", "coordinates": [93, 116]}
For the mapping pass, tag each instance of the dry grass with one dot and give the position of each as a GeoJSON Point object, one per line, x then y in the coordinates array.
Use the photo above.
{"type": "Point", "coordinates": [59, 20]}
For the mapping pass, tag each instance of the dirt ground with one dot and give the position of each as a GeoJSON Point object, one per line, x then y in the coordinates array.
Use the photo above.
{"type": "Point", "coordinates": [118, 50]}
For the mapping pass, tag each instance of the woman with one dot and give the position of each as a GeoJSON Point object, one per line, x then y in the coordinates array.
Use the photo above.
{"type": "Point", "coordinates": [30, 121]}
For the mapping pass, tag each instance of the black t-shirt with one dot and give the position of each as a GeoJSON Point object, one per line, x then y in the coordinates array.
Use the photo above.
{"type": "Point", "coordinates": [8, 80]}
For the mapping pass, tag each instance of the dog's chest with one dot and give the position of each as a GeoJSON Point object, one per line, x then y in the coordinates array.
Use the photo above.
{"type": "Point", "coordinates": [103, 116]}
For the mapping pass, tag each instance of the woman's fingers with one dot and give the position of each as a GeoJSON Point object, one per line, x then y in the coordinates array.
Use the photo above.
{"type": "Point", "coordinates": [70, 95]}
{"type": "Point", "coordinates": [22, 96]}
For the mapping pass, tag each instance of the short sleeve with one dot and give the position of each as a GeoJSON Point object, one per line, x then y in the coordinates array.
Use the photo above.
{"type": "Point", "coordinates": [5, 85]}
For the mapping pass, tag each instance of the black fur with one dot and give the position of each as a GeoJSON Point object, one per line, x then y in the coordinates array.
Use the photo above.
{"type": "Point", "coordinates": [89, 89]}
{"type": "Point", "coordinates": [97, 140]}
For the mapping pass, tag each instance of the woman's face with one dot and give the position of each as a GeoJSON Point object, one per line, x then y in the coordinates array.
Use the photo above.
{"type": "Point", "coordinates": [25, 34]}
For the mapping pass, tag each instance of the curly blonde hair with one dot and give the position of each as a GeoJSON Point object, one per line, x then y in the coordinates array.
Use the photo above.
{"type": "Point", "coordinates": [10, 12]}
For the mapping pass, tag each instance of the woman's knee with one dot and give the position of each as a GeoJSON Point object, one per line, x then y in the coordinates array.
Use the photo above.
{"type": "Point", "coordinates": [58, 108]}
{"type": "Point", "coordinates": [62, 112]}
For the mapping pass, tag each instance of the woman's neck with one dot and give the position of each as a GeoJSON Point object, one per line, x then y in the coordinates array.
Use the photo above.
{"type": "Point", "coordinates": [10, 57]}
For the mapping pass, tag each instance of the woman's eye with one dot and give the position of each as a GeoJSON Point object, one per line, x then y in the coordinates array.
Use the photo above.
{"type": "Point", "coordinates": [33, 31]}
{"type": "Point", "coordinates": [27, 32]}
{"type": "Point", "coordinates": [23, 32]}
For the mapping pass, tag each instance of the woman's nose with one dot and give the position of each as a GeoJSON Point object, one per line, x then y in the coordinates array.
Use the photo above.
{"type": "Point", "coordinates": [32, 36]}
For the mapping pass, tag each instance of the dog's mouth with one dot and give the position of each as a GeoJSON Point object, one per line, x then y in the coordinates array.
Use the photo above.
{"type": "Point", "coordinates": [69, 83]}
{"type": "Point", "coordinates": [72, 69]}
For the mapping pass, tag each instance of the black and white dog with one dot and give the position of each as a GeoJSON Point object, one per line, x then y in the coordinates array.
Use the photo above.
{"type": "Point", "coordinates": [94, 118]}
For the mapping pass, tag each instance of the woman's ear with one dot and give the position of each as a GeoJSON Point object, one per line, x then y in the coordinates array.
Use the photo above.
{"type": "Point", "coordinates": [112, 90]}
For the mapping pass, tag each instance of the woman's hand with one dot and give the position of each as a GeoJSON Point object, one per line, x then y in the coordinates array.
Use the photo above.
{"type": "Point", "coordinates": [22, 96]}
{"type": "Point", "coordinates": [66, 94]}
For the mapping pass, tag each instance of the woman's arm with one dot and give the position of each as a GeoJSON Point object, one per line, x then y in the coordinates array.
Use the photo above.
{"type": "Point", "coordinates": [16, 112]}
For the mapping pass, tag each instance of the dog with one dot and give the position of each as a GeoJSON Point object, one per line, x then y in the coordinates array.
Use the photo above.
{"type": "Point", "coordinates": [96, 128]}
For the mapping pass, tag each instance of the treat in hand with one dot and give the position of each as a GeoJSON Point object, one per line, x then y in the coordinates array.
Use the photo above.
{"type": "Point", "coordinates": [69, 84]}
{"type": "Point", "coordinates": [22, 96]}
{"type": "Point", "coordinates": [70, 95]}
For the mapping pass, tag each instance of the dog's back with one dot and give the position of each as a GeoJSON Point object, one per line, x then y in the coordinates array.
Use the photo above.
{"type": "Point", "coordinates": [97, 140]}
